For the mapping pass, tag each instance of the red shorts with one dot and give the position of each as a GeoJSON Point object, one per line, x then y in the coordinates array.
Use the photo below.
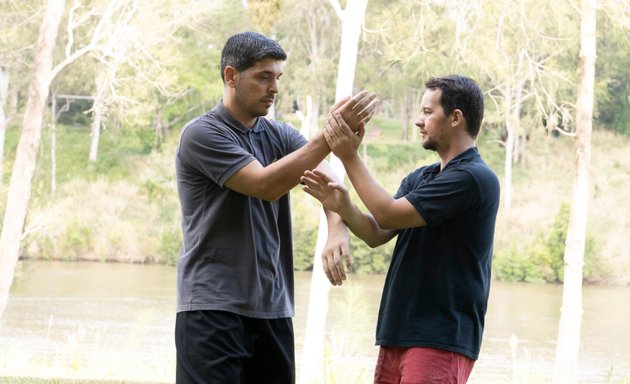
{"type": "Point", "coordinates": [421, 365]}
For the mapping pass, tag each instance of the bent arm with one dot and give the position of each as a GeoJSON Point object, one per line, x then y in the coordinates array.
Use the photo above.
{"type": "Point", "coordinates": [272, 181]}
{"type": "Point", "coordinates": [389, 213]}
{"type": "Point", "coordinates": [276, 179]}
{"type": "Point", "coordinates": [335, 197]}
{"type": "Point", "coordinates": [365, 227]}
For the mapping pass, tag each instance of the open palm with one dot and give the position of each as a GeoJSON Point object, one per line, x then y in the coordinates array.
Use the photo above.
{"type": "Point", "coordinates": [332, 196]}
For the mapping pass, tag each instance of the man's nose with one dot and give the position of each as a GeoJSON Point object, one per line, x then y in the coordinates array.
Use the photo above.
{"type": "Point", "coordinates": [274, 86]}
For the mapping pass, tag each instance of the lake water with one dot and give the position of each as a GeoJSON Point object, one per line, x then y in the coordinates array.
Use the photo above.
{"type": "Point", "coordinates": [115, 322]}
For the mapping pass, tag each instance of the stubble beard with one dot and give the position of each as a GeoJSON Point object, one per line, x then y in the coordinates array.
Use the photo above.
{"type": "Point", "coordinates": [429, 145]}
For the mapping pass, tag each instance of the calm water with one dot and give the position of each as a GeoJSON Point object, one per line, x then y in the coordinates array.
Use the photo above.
{"type": "Point", "coordinates": [115, 322]}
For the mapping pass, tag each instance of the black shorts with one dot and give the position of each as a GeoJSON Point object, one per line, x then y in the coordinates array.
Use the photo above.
{"type": "Point", "coordinates": [223, 347]}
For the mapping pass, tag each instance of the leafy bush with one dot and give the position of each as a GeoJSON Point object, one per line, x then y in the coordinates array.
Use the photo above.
{"type": "Point", "coordinates": [543, 259]}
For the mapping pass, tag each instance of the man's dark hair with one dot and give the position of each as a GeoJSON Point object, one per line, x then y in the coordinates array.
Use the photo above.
{"type": "Point", "coordinates": [245, 49]}
{"type": "Point", "coordinates": [463, 93]}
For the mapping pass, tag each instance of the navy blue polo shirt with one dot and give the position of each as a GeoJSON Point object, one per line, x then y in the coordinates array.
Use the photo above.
{"type": "Point", "coordinates": [437, 286]}
{"type": "Point", "coordinates": [237, 253]}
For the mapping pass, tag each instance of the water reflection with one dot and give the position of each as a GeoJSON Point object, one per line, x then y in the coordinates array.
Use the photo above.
{"type": "Point", "coordinates": [115, 322]}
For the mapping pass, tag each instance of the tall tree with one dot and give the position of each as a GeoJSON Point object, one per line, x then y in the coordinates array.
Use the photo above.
{"type": "Point", "coordinates": [310, 71]}
{"type": "Point", "coordinates": [4, 95]}
{"type": "Point", "coordinates": [569, 328]}
{"type": "Point", "coordinates": [312, 355]}
{"type": "Point", "coordinates": [26, 157]}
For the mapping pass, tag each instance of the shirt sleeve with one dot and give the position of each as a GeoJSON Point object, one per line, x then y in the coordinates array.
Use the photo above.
{"type": "Point", "coordinates": [293, 138]}
{"type": "Point", "coordinates": [444, 197]}
{"type": "Point", "coordinates": [214, 152]}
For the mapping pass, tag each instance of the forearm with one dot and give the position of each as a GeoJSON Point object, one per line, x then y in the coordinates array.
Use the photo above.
{"type": "Point", "coordinates": [375, 198]}
{"type": "Point", "coordinates": [281, 176]}
{"type": "Point", "coordinates": [364, 226]}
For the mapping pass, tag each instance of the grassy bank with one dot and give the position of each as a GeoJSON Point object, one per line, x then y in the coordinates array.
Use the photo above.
{"type": "Point", "coordinates": [124, 206]}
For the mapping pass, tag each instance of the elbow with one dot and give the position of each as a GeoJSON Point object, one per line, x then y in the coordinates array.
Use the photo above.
{"type": "Point", "coordinates": [270, 196]}
{"type": "Point", "coordinates": [384, 220]}
{"type": "Point", "coordinates": [373, 244]}
{"type": "Point", "coordinates": [269, 192]}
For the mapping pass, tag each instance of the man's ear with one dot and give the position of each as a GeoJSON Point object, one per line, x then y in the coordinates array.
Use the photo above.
{"type": "Point", "coordinates": [458, 117]}
{"type": "Point", "coordinates": [230, 74]}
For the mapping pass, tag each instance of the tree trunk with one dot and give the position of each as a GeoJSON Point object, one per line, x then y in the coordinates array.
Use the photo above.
{"type": "Point", "coordinates": [568, 346]}
{"type": "Point", "coordinates": [311, 370]}
{"type": "Point", "coordinates": [53, 147]}
{"type": "Point", "coordinates": [4, 94]}
{"type": "Point", "coordinates": [19, 192]}
{"type": "Point", "coordinates": [305, 119]}
{"type": "Point", "coordinates": [509, 150]}
{"type": "Point", "coordinates": [404, 109]}
{"type": "Point", "coordinates": [98, 109]}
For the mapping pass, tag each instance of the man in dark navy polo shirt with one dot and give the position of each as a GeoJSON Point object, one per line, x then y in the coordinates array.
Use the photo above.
{"type": "Point", "coordinates": [431, 318]}
{"type": "Point", "coordinates": [235, 169]}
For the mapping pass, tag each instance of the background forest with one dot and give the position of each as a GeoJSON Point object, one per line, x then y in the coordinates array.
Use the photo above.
{"type": "Point", "coordinates": [131, 73]}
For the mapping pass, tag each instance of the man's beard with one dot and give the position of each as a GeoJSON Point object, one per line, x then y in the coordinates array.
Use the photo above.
{"type": "Point", "coordinates": [429, 145]}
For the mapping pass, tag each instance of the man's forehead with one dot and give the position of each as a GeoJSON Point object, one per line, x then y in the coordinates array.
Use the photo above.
{"type": "Point", "coordinates": [267, 65]}
{"type": "Point", "coordinates": [431, 96]}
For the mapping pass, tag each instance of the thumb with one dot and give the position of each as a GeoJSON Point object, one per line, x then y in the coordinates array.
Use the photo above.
{"type": "Point", "coordinates": [361, 131]}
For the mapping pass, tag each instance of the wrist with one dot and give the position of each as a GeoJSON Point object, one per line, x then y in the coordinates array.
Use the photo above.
{"type": "Point", "coordinates": [349, 157]}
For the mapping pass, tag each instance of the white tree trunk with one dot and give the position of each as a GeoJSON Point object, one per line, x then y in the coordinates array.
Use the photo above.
{"type": "Point", "coordinates": [509, 152]}
{"type": "Point", "coordinates": [95, 133]}
{"type": "Point", "coordinates": [569, 328]}
{"type": "Point", "coordinates": [4, 95]}
{"type": "Point", "coordinates": [306, 119]}
{"type": "Point", "coordinates": [98, 109]}
{"type": "Point", "coordinates": [19, 193]}
{"type": "Point", "coordinates": [312, 355]}
{"type": "Point", "coordinates": [53, 147]}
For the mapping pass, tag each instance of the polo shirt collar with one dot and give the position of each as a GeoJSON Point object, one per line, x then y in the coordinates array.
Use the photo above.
{"type": "Point", "coordinates": [235, 124]}
{"type": "Point", "coordinates": [467, 155]}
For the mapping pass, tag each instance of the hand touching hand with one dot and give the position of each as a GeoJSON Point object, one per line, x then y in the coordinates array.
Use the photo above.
{"type": "Point", "coordinates": [357, 111]}
{"type": "Point", "coordinates": [343, 142]}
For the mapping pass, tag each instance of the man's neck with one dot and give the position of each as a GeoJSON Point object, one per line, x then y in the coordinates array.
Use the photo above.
{"type": "Point", "coordinates": [242, 118]}
{"type": "Point", "coordinates": [453, 151]}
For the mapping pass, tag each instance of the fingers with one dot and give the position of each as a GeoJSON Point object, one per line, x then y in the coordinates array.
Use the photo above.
{"type": "Point", "coordinates": [318, 175]}
{"type": "Point", "coordinates": [333, 267]}
{"type": "Point", "coordinates": [341, 127]}
{"type": "Point", "coordinates": [362, 100]}
{"type": "Point", "coordinates": [368, 116]}
{"type": "Point", "coordinates": [339, 103]}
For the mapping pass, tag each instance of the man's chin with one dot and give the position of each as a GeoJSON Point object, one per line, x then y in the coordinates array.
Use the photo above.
{"type": "Point", "coordinates": [428, 145]}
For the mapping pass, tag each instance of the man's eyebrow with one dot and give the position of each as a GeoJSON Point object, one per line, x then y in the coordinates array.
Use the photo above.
{"type": "Point", "coordinates": [268, 72]}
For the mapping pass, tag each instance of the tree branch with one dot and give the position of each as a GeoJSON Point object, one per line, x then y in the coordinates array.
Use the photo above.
{"type": "Point", "coordinates": [337, 7]}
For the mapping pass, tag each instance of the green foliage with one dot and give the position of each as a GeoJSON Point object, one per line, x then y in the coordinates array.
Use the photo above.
{"type": "Point", "coordinates": [75, 240]}
{"type": "Point", "coordinates": [366, 260]}
{"type": "Point", "coordinates": [514, 265]}
{"type": "Point", "coordinates": [543, 259]}
{"type": "Point", "coordinates": [169, 246]}
{"type": "Point", "coordinates": [305, 212]}
{"type": "Point", "coordinates": [613, 73]}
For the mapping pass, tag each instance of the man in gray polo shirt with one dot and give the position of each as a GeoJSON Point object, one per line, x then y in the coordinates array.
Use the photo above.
{"type": "Point", "coordinates": [235, 169]}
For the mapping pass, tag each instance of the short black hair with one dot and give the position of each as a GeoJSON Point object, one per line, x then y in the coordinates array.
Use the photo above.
{"type": "Point", "coordinates": [245, 49]}
{"type": "Point", "coordinates": [463, 93]}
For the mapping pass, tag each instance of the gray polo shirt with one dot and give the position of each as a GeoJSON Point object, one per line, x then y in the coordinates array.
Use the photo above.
{"type": "Point", "coordinates": [237, 253]}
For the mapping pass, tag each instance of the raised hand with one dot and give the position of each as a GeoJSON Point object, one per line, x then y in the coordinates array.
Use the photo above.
{"type": "Point", "coordinates": [333, 196]}
{"type": "Point", "coordinates": [343, 142]}
{"type": "Point", "coordinates": [357, 111]}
